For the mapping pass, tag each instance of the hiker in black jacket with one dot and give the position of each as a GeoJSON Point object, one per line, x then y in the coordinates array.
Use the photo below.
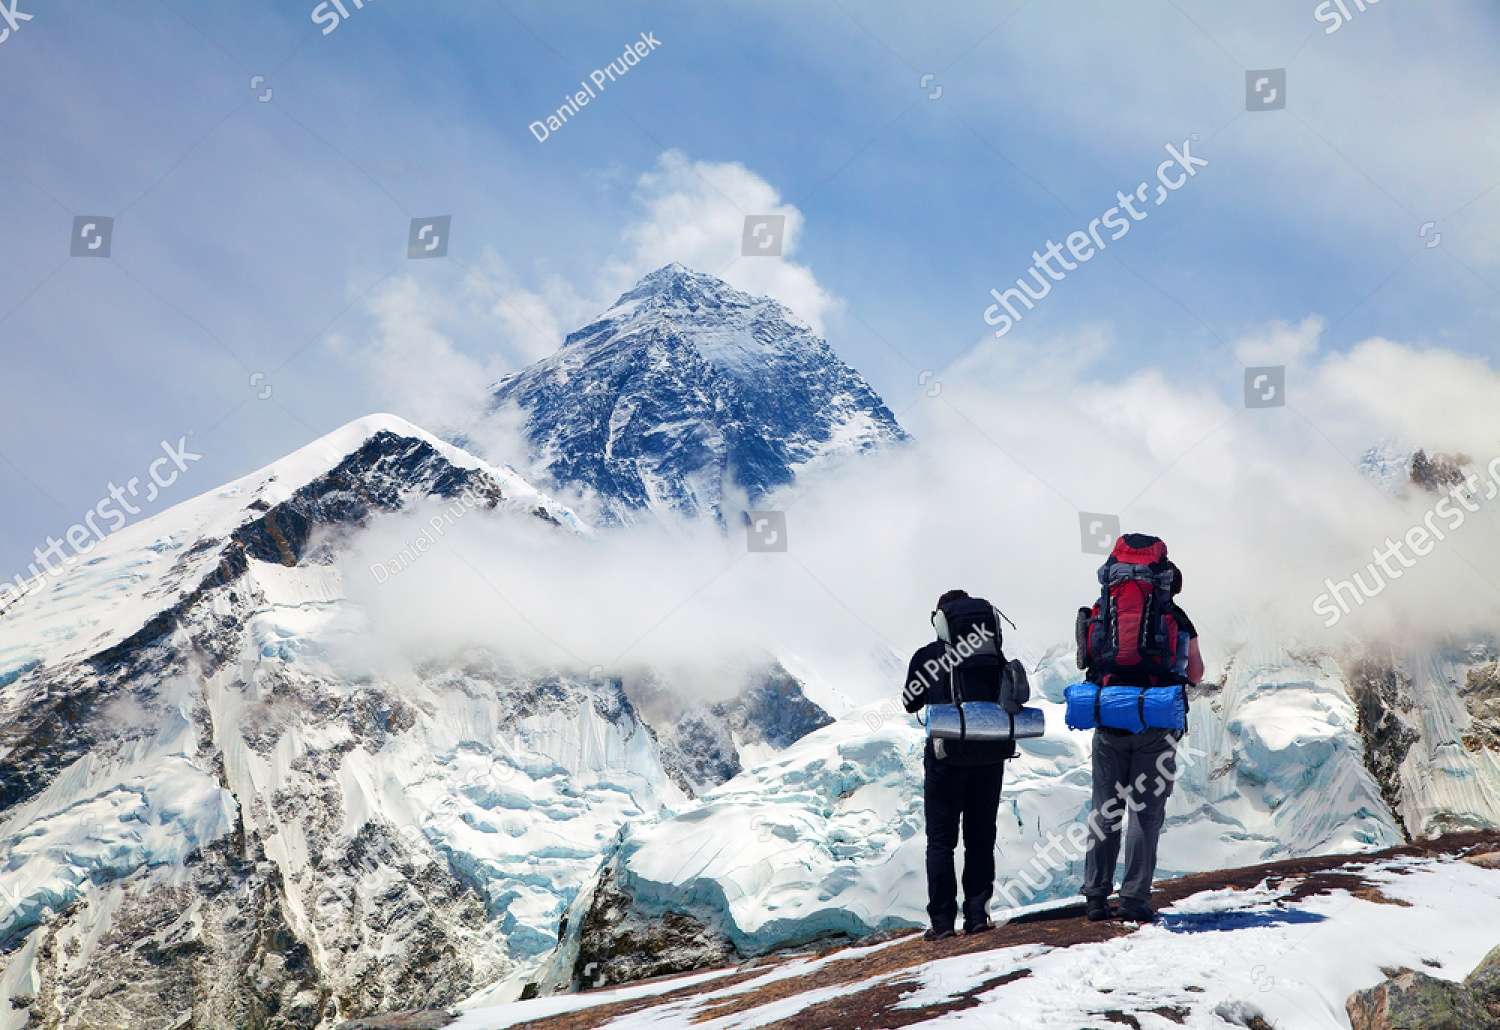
{"type": "Point", "coordinates": [962, 780]}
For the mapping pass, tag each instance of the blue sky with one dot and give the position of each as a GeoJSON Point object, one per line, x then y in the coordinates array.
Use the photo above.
{"type": "Point", "coordinates": [268, 238]}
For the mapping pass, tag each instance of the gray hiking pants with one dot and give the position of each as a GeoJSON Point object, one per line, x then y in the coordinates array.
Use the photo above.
{"type": "Point", "coordinates": [1133, 772]}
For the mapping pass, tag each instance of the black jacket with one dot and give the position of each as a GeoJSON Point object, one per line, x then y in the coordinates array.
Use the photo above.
{"type": "Point", "coordinates": [922, 689]}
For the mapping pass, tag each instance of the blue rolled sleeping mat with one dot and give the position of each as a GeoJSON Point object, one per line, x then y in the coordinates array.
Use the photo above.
{"type": "Point", "coordinates": [1125, 708]}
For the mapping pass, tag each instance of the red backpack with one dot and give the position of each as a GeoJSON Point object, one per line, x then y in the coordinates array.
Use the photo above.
{"type": "Point", "coordinates": [1131, 635]}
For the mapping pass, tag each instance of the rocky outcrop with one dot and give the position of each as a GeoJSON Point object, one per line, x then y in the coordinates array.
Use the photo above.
{"type": "Point", "coordinates": [1412, 1000]}
{"type": "Point", "coordinates": [1382, 696]}
{"type": "Point", "coordinates": [702, 744]}
{"type": "Point", "coordinates": [1483, 984]}
{"type": "Point", "coordinates": [618, 945]}
{"type": "Point", "coordinates": [1481, 695]}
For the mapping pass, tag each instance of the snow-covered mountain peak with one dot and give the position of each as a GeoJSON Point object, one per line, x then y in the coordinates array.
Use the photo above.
{"type": "Point", "coordinates": [123, 581]}
{"type": "Point", "coordinates": [685, 389]}
{"type": "Point", "coordinates": [677, 293]}
{"type": "Point", "coordinates": [1388, 463]}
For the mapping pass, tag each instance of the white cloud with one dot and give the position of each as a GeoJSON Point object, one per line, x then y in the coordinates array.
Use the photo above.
{"type": "Point", "coordinates": [1281, 343]}
{"type": "Point", "coordinates": [1427, 397]}
{"type": "Point", "coordinates": [1256, 506]}
{"type": "Point", "coordinates": [411, 356]}
{"type": "Point", "coordinates": [694, 212]}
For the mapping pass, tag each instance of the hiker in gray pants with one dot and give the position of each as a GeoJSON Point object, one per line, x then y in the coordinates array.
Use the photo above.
{"type": "Point", "coordinates": [1133, 772]}
{"type": "Point", "coordinates": [1135, 635]}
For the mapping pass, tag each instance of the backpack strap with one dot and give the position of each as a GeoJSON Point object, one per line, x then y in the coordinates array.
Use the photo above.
{"type": "Point", "coordinates": [1141, 707]}
{"type": "Point", "coordinates": [963, 729]}
{"type": "Point", "coordinates": [1098, 702]}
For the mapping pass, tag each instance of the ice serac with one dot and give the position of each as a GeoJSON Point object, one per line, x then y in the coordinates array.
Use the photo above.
{"type": "Point", "coordinates": [209, 820]}
{"type": "Point", "coordinates": [686, 389]}
{"type": "Point", "coordinates": [826, 839]}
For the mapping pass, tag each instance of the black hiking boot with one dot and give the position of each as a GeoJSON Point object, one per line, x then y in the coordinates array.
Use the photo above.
{"type": "Point", "coordinates": [938, 934]}
{"type": "Point", "coordinates": [1136, 911]}
{"type": "Point", "coordinates": [1098, 908]}
{"type": "Point", "coordinates": [983, 926]}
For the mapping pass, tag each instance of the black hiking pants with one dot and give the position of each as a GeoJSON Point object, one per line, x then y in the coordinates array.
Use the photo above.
{"type": "Point", "coordinates": [954, 794]}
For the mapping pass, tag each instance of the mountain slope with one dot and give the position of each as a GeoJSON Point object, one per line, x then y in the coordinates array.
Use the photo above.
{"type": "Point", "coordinates": [212, 819]}
{"type": "Point", "coordinates": [1283, 944]}
{"type": "Point", "coordinates": [1429, 710]}
{"type": "Point", "coordinates": [686, 391]}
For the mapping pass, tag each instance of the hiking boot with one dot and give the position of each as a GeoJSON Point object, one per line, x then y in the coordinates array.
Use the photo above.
{"type": "Point", "coordinates": [936, 934]}
{"type": "Point", "coordinates": [983, 926]}
{"type": "Point", "coordinates": [1098, 908]}
{"type": "Point", "coordinates": [1136, 911]}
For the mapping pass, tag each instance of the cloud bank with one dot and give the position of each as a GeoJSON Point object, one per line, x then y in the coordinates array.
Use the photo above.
{"type": "Point", "coordinates": [1259, 506]}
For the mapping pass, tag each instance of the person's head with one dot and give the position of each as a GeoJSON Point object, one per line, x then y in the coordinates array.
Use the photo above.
{"type": "Point", "coordinates": [949, 596]}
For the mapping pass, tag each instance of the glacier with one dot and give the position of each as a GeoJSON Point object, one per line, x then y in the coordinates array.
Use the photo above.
{"type": "Point", "coordinates": [211, 818]}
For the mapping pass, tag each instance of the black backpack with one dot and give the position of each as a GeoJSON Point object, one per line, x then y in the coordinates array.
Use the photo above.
{"type": "Point", "coordinates": [977, 669]}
